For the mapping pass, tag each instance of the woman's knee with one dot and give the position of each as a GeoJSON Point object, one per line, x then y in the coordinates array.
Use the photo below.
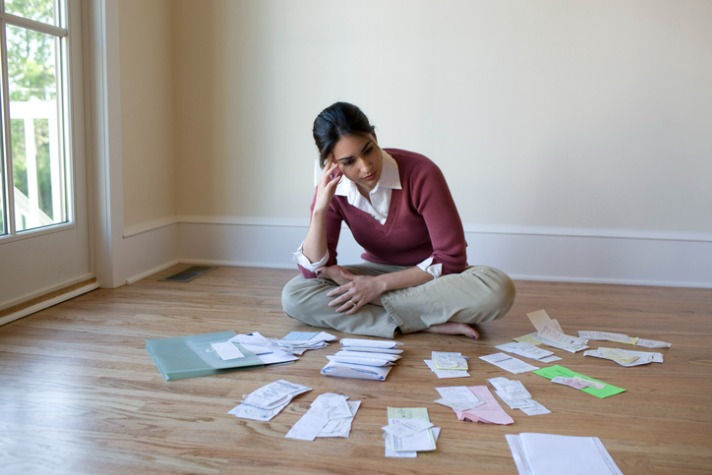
{"type": "Point", "coordinates": [505, 292]}
{"type": "Point", "coordinates": [500, 291]}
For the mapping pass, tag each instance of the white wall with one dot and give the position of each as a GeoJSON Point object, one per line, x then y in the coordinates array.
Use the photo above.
{"type": "Point", "coordinates": [562, 126]}
{"type": "Point", "coordinates": [149, 165]}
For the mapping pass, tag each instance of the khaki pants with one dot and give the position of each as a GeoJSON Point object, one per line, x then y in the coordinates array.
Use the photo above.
{"type": "Point", "coordinates": [477, 295]}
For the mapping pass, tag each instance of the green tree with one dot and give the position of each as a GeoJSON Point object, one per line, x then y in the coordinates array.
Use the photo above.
{"type": "Point", "coordinates": [31, 76]}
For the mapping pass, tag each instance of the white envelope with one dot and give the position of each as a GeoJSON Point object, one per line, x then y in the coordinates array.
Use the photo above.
{"type": "Point", "coordinates": [345, 370]}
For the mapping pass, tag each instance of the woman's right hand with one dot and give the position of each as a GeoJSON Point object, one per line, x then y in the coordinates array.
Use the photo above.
{"type": "Point", "coordinates": [326, 187]}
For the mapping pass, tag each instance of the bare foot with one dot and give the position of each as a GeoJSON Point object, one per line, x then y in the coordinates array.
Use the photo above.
{"type": "Point", "coordinates": [454, 328]}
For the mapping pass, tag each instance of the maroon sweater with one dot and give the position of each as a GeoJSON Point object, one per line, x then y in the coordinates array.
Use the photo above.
{"type": "Point", "coordinates": [422, 221]}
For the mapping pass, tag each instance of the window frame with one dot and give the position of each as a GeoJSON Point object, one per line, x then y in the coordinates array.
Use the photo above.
{"type": "Point", "coordinates": [62, 35]}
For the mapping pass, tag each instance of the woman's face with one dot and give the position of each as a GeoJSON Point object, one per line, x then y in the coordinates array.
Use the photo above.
{"type": "Point", "coordinates": [360, 159]}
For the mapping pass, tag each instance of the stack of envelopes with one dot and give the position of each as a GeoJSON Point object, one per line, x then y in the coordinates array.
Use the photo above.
{"type": "Point", "coordinates": [363, 359]}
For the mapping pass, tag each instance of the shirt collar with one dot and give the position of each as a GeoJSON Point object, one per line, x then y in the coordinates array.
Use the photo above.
{"type": "Point", "coordinates": [390, 178]}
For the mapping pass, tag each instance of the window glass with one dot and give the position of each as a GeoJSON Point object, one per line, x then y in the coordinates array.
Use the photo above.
{"type": "Point", "coordinates": [43, 11]}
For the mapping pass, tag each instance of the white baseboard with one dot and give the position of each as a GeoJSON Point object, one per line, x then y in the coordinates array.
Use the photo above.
{"type": "Point", "coordinates": [48, 303]}
{"type": "Point", "coordinates": [525, 253]}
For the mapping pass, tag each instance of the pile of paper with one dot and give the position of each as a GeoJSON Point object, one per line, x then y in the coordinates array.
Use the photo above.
{"type": "Point", "coordinates": [268, 401]}
{"type": "Point", "coordinates": [448, 364]}
{"type": "Point", "coordinates": [272, 350]}
{"type": "Point", "coordinates": [528, 350]}
{"type": "Point", "coordinates": [547, 454]}
{"type": "Point", "coordinates": [330, 415]}
{"type": "Point", "coordinates": [622, 338]}
{"type": "Point", "coordinates": [363, 359]}
{"type": "Point", "coordinates": [516, 396]}
{"type": "Point", "coordinates": [549, 332]}
{"type": "Point", "coordinates": [297, 343]}
{"type": "Point", "coordinates": [508, 363]}
{"type": "Point", "coordinates": [474, 404]}
{"type": "Point", "coordinates": [408, 432]}
{"type": "Point", "coordinates": [626, 357]}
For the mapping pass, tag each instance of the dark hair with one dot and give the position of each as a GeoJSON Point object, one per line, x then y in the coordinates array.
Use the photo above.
{"type": "Point", "coordinates": [337, 120]}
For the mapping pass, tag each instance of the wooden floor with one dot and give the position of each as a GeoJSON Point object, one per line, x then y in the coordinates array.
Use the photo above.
{"type": "Point", "coordinates": [80, 395]}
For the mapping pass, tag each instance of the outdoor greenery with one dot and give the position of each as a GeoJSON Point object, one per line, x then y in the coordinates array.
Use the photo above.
{"type": "Point", "coordinates": [31, 77]}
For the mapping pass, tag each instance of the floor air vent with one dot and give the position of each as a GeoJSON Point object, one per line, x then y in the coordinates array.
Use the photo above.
{"type": "Point", "coordinates": [188, 274]}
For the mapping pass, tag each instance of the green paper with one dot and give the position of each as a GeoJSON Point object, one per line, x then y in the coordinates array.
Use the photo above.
{"type": "Point", "coordinates": [553, 371]}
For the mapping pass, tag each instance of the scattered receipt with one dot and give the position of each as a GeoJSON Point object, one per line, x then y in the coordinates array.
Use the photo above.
{"type": "Point", "coordinates": [330, 415]}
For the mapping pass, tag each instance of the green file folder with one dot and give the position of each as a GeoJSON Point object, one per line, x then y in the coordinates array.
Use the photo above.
{"type": "Point", "coordinates": [192, 356]}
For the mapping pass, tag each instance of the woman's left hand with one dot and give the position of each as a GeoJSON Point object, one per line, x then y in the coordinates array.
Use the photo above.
{"type": "Point", "coordinates": [357, 291]}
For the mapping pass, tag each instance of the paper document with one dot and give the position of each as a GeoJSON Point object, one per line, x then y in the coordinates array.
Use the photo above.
{"type": "Point", "coordinates": [548, 454]}
{"type": "Point", "coordinates": [626, 357]}
{"type": "Point", "coordinates": [489, 413]}
{"type": "Point", "coordinates": [550, 333]}
{"type": "Point", "coordinates": [446, 373]}
{"type": "Point", "coordinates": [408, 432]}
{"type": "Point", "coordinates": [266, 402]}
{"type": "Point", "coordinates": [330, 415]}
{"type": "Point", "coordinates": [509, 363]}
{"type": "Point", "coordinates": [623, 338]}
{"type": "Point", "coordinates": [516, 396]}
{"type": "Point", "coordinates": [595, 388]}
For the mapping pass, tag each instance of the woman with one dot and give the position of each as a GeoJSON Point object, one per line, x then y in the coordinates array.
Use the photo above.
{"type": "Point", "coordinates": [398, 207]}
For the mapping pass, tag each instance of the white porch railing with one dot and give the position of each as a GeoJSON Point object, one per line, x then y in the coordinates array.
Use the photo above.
{"type": "Point", "coordinates": [28, 210]}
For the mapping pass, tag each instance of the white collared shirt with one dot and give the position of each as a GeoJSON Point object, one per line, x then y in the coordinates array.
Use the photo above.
{"type": "Point", "coordinates": [380, 196]}
{"type": "Point", "coordinates": [378, 207]}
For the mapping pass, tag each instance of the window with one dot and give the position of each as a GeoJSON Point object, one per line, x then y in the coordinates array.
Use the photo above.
{"type": "Point", "coordinates": [35, 162]}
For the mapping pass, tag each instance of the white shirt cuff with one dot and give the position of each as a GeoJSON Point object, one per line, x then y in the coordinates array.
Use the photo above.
{"type": "Point", "coordinates": [436, 270]}
{"type": "Point", "coordinates": [303, 261]}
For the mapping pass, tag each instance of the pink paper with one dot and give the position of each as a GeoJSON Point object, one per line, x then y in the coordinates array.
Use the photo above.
{"type": "Point", "coordinates": [489, 413]}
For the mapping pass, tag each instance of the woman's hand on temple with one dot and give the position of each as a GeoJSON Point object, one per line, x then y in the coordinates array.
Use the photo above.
{"type": "Point", "coordinates": [326, 186]}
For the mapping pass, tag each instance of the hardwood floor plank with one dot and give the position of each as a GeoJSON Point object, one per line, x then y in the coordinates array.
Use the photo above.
{"type": "Point", "coordinates": [80, 394]}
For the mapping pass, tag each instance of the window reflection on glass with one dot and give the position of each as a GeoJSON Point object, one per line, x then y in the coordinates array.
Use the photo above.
{"type": "Point", "coordinates": [44, 11]}
{"type": "Point", "coordinates": [37, 161]}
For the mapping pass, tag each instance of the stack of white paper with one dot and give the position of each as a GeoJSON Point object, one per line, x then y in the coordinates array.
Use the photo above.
{"type": "Point", "coordinates": [549, 332]}
{"type": "Point", "coordinates": [408, 432]}
{"type": "Point", "coordinates": [264, 348]}
{"type": "Point", "coordinates": [448, 364]}
{"type": "Point", "coordinates": [330, 415]}
{"type": "Point", "coordinates": [529, 350]}
{"type": "Point", "coordinates": [547, 454]}
{"type": "Point", "coordinates": [297, 343]}
{"type": "Point", "coordinates": [363, 359]}
{"type": "Point", "coordinates": [516, 396]}
{"type": "Point", "coordinates": [268, 401]}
